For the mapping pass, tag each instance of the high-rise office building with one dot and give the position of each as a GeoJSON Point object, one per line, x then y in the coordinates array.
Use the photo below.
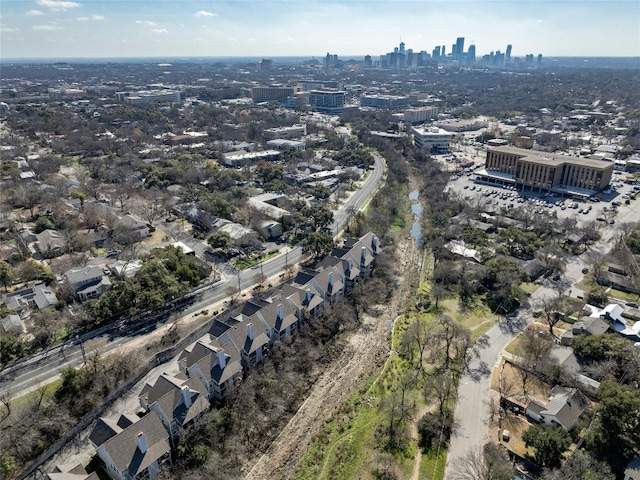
{"type": "Point", "coordinates": [436, 52]}
{"type": "Point", "coordinates": [443, 52]}
{"type": "Point", "coordinates": [459, 48]}
{"type": "Point", "coordinates": [471, 54]}
{"type": "Point", "coordinates": [402, 47]}
{"type": "Point", "coordinates": [508, 55]}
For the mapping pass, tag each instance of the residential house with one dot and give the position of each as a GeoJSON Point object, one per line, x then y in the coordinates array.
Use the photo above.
{"type": "Point", "coordinates": [12, 324]}
{"type": "Point", "coordinates": [632, 472]}
{"type": "Point", "coordinates": [240, 234]}
{"type": "Point", "coordinates": [363, 250]}
{"type": "Point", "coordinates": [178, 400]}
{"type": "Point", "coordinates": [220, 369]}
{"type": "Point", "coordinates": [139, 229]}
{"type": "Point", "coordinates": [50, 243]}
{"type": "Point", "coordinates": [87, 283]}
{"type": "Point", "coordinates": [279, 319]}
{"type": "Point", "coordinates": [138, 451]}
{"type": "Point", "coordinates": [585, 326]}
{"type": "Point", "coordinates": [346, 269]}
{"type": "Point", "coordinates": [616, 277]}
{"type": "Point", "coordinates": [328, 285]}
{"type": "Point", "coordinates": [249, 339]}
{"type": "Point", "coordinates": [306, 303]}
{"type": "Point", "coordinates": [37, 297]}
{"type": "Point", "coordinates": [564, 408]}
{"type": "Point", "coordinates": [105, 428]}
{"type": "Point", "coordinates": [71, 472]}
{"type": "Point", "coordinates": [270, 229]}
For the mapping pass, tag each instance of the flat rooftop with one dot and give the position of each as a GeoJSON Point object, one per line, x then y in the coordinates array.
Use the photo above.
{"type": "Point", "coordinates": [551, 158]}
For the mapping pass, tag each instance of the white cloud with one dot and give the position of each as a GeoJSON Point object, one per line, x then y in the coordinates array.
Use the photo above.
{"type": "Point", "coordinates": [146, 22]}
{"type": "Point", "coordinates": [58, 5]}
{"type": "Point", "coordinates": [34, 13]}
{"type": "Point", "coordinates": [159, 30]}
{"type": "Point", "coordinates": [204, 13]}
{"type": "Point", "coordinates": [46, 28]}
{"type": "Point", "coordinates": [92, 17]}
{"type": "Point", "coordinates": [4, 29]}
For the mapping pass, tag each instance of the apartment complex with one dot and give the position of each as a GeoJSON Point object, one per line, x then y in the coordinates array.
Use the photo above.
{"type": "Point", "coordinates": [547, 171]}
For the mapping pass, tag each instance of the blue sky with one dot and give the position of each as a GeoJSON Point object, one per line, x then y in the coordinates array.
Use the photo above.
{"type": "Point", "coordinates": [163, 28]}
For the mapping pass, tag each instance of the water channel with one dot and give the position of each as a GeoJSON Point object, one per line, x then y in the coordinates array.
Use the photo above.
{"type": "Point", "coordinates": [416, 227]}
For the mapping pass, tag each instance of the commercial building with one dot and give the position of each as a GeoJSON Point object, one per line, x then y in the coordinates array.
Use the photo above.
{"type": "Point", "coordinates": [419, 115]}
{"type": "Point", "coordinates": [152, 96]}
{"type": "Point", "coordinates": [240, 159]}
{"type": "Point", "coordinates": [327, 101]}
{"type": "Point", "coordinates": [271, 94]}
{"type": "Point", "coordinates": [294, 131]}
{"type": "Point", "coordinates": [432, 138]}
{"type": "Point", "coordinates": [547, 171]}
{"type": "Point", "coordinates": [384, 101]}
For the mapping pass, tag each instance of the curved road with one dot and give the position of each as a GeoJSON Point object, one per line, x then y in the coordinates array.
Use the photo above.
{"type": "Point", "coordinates": [43, 367]}
{"type": "Point", "coordinates": [471, 413]}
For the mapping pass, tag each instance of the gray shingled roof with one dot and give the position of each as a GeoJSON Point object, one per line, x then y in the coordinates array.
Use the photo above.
{"type": "Point", "coordinates": [124, 451]}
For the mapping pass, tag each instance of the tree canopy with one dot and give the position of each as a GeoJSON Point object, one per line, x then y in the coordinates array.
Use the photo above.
{"type": "Point", "coordinates": [550, 443]}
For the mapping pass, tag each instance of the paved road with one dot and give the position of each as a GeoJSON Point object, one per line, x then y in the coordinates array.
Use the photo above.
{"type": "Point", "coordinates": [43, 367]}
{"type": "Point", "coordinates": [471, 413]}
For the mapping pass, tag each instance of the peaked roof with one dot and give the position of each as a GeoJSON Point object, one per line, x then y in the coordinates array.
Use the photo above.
{"type": "Point", "coordinates": [163, 385]}
{"type": "Point", "coordinates": [173, 405]}
{"type": "Point", "coordinates": [565, 405]}
{"type": "Point", "coordinates": [123, 447]}
{"type": "Point", "coordinates": [106, 428]}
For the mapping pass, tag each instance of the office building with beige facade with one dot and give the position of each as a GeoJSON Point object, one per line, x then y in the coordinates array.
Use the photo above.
{"type": "Point", "coordinates": [546, 171]}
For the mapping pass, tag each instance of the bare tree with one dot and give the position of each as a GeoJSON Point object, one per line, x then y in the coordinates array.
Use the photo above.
{"type": "Point", "coordinates": [537, 346]}
{"type": "Point", "coordinates": [439, 387]}
{"type": "Point", "coordinates": [489, 463]}
{"type": "Point", "coordinates": [414, 341]}
{"type": "Point", "coordinates": [5, 399]}
{"type": "Point", "coordinates": [550, 307]}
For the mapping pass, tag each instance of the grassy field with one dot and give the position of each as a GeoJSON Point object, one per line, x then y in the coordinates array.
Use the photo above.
{"type": "Point", "coordinates": [347, 447]}
{"type": "Point", "coordinates": [17, 404]}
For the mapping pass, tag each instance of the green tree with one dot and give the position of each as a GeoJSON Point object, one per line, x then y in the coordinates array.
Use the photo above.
{"type": "Point", "coordinates": [43, 223]}
{"type": "Point", "coordinates": [220, 239]}
{"type": "Point", "coordinates": [550, 443]}
{"type": "Point", "coordinates": [6, 274]}
{"type": "Point", "coordinates": [320, 192]}
{"type": "Point", "coordinates": [616, 432]}
{"type": "Point", "coordinates": [319, 244]}
{"type": "Point", "coordinates": [318, 216]}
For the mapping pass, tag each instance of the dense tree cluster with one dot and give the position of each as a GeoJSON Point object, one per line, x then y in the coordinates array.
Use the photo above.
{"type": "Point", "coordinates": [165, 275]}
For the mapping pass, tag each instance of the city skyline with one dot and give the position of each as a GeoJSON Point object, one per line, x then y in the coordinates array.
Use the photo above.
{"type": "Point", "coordinates": [142, 28]}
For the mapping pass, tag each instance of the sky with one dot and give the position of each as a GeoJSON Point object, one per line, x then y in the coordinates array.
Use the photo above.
{"type": "Point", "coordinates": [312, 28]}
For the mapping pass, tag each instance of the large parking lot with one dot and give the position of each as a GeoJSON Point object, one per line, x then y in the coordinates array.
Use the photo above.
{"type": "Point", "coordinates": [605, 207]}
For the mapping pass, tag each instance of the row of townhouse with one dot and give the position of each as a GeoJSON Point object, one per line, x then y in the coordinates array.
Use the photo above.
{"type": "Point", "coordinates": [132, 448]}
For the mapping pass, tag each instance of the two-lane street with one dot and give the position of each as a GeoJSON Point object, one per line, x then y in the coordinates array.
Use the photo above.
{"type": "Point", "coordinates": [42, 368]}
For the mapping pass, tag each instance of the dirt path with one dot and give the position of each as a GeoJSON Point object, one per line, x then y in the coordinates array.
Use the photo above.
{"type": "Point", "coordinates": [414, 435]}
{"type": "Point", "coordinates": [367, 350]}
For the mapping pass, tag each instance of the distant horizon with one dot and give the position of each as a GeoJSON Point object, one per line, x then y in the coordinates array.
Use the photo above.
{"type": "Point", "coordinates": [267, 57]}
{"type": "Point", "coordinates": [46, 29]}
